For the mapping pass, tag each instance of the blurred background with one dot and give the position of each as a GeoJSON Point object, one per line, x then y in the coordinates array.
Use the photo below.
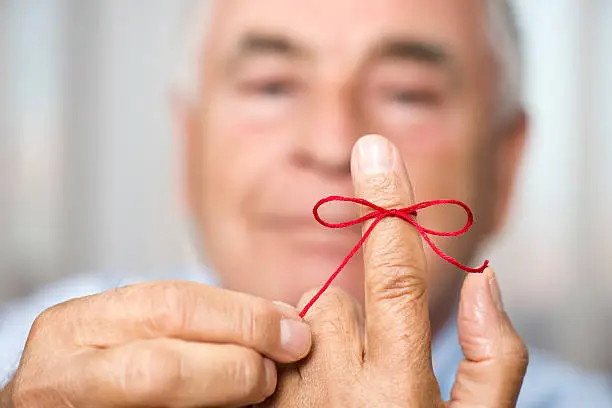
{"type": "Point", "coordinates": [89, 177]}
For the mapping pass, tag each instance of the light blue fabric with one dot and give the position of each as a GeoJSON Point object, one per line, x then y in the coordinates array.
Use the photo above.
{"type": "Point", "coordinates": [548, 384]}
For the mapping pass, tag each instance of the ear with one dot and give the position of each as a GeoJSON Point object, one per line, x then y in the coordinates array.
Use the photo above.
{"type": "Point", "coordinates": [509, 152]}
{"type": "Point", "coordinates": [187, 127]}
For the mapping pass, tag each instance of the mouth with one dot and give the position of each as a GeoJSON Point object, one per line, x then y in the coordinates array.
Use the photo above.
{"type": "Point", "coordinates": [307, 235]}
{"type": "Point", "coordinates": [304, 224]}
{"type": "Point", "coordinates": [333, 213]}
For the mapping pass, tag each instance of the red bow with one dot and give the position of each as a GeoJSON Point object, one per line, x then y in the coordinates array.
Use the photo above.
{"type": "Point", "coordinates": [378, 214]}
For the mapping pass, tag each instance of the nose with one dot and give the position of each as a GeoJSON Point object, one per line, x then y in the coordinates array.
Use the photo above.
{"type": "Point", "coordinates": [325, 141]}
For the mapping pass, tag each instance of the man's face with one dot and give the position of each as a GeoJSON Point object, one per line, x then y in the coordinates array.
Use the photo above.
{"type": "Point", "coordinates": [289, 86]}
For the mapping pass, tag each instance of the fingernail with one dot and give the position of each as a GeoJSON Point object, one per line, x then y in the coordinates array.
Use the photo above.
{"type": "Point", "coordinates": [295, 338]}
{"type": "Point", "coordinates": [374, 155]}
{"type": "Point", "coordinates": [295, 333]}
{"type": "Point", "coordinates": [494, 289]}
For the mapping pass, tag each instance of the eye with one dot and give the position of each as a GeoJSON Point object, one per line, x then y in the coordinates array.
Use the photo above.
{"type": "Point", "coordinates": [411, 97]}
{"type": "Point", "coordinates": [271, 88]}
{"type": "Point", "coordinates": [276, 88]}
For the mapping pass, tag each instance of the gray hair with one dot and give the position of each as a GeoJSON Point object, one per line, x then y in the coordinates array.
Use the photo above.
{"type": "Point", "coordinates": [501, 25]}
{"type": "Point", "coordinates": [505, 42]}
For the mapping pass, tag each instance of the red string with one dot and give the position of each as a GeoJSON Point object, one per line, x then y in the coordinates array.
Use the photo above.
{"type": "Point", "coordinates": [378, 214]}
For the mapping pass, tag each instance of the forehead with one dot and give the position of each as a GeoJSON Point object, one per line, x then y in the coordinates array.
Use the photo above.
{"type": "Point", "coordinates": [345, 27]}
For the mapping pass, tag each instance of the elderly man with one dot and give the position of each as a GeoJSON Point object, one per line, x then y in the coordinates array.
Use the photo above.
{"type": "Point", "coordinates": [271, 125]}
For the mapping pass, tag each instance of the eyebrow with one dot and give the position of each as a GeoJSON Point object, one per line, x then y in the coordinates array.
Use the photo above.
{"type": "Point", "coordinates": [408, 49]}
{"type": "Point", "coordinates": [258, 43]}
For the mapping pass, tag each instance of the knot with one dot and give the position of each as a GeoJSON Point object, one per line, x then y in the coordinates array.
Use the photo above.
{"type": "Point", "coordinates": [395, 213]}
{"type": "Point", "coordinates": [407, 214]}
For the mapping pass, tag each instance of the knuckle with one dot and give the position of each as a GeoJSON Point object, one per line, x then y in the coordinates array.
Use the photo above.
{"type": "Point", "coordinates": [516, 352]}
{"type": "Point", "coordinates": [171, 314]}
{"type": "Point", "coordinates": [41, 323]}
{"type": "Point", "coordinates": [152, 371]}
{"type": "Point", "coordinates": [259, 324]}
{"type": "Point", "coordinates": [399, 282]}
{"type": "Point", "coordinates": [248, 372]}
{"type": "Point", "coordinates": [50, 321]}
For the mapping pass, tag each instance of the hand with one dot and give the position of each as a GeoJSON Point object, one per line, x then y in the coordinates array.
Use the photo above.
{"type": "Point", "coordinates": [383, 359]}
{"type": "Point", "coordinates": [163, 344]}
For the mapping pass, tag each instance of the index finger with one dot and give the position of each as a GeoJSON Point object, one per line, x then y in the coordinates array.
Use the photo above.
{"type": "Point", "coordinates": [396, 305]}
{"type": "Point", "coordinates": [182, 310]}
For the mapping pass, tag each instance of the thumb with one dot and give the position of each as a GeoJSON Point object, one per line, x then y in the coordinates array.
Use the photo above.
{"type": "Point", "coordinates": [491, 373]}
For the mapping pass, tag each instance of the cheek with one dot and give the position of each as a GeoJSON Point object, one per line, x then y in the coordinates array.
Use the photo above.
{"type": "Point", "coordinates": [240, 150]}
{"type": "Point", "coordinates": [230, 132]}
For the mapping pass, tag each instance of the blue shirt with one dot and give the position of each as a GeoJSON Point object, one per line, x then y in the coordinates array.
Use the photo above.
{"type": "Point", "coordinates": [549, 383]}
